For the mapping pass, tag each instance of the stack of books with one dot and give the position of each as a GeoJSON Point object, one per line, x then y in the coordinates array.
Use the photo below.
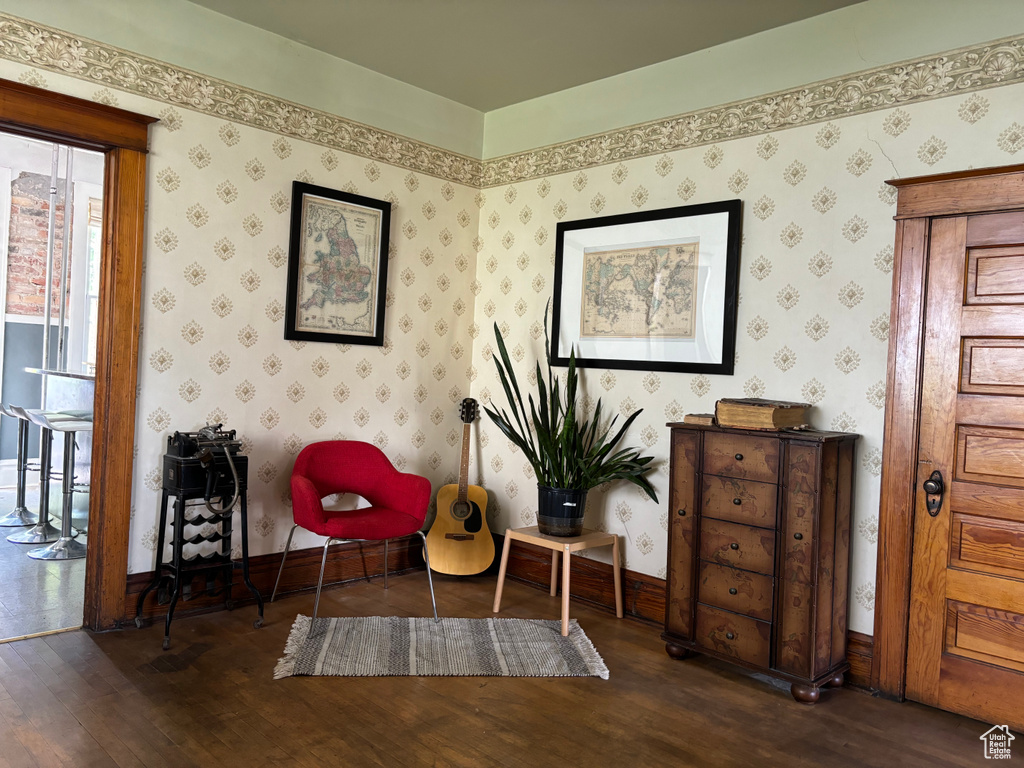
{"type": "Point", "coordinates": [755, 413]}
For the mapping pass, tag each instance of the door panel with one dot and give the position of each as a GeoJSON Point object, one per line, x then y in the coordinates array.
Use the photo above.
{"type": "Point", "coordinates": [995, 276]}
{"type": "Point", "coordinates": [682, 513]}
{"type": "Point", "coordinates": [993, 456]}
{"type": "Point", "coordinates": [980, 543]}
{"type": "Point", "coordinates": [992, 367]}
{"type": "Point", "coordinates": [996, 637]}
{"type": "Point", "coordinates": [966, 636]}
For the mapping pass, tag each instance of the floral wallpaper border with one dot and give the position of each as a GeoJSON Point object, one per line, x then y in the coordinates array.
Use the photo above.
{"type": "Point", "coordinates": [974, 68]}
{"type": "Point", "coordinates": [961, 71]}
{"type": "Point", "coordinates": [57, 51]}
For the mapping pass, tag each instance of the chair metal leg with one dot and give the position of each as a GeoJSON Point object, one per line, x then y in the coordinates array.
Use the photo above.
{"type": "Point", "coordinates": [65, 548]}
{"type": "Point", "coordinates": [319, 586]}
{"type": "Point", "coordinates": [430, 579]}
{"type": "Point", "coordinates": [287, 546]}
{"type": "Point", "coordinates": [42, 532]}
{"type": "Point", "coordinates": [385, 563]}
{"type": "Point", "coordinates": [20, 516]}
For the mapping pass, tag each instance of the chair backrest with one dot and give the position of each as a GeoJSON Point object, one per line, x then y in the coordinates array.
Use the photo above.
{"type": "Point", "coordinates": [345, 466]}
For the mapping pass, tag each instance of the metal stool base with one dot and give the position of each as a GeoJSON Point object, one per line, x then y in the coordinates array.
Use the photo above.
{"type": "Point", "coordinates": [20, 517]}
{"type": "Point", "coordinates": [62, 549]}
{"type": "Point", "coordinates": [40, 533]}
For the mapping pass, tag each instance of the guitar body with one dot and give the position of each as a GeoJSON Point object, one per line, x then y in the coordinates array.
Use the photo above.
{"type": "Point", "coordinates": [459, 542]}
{"type": "Point", "coordinates": [460, 546]}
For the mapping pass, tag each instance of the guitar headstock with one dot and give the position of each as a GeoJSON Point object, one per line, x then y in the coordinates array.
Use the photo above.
{"type": "Point", "coordinates": [468, 410]}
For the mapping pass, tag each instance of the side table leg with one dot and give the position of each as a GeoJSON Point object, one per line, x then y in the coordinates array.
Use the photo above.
{"type": "Point", "coordinates": [617, 577]}
{"type": "Point", "coordinates": [554, 572]}
{"type": "Point", "coordinates": [501, 570]}
{"type": "Point", "coordinates": [158, 571]}
{"type": "Point", "coordinates": [245, 562]}
{"type": "Point", "coordinates": [565, 591]}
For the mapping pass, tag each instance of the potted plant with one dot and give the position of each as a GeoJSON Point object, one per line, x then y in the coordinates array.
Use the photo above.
{"type": "Point", "coordinates": [569, 454]}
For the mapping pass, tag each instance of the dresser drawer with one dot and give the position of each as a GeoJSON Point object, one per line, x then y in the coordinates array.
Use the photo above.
{"type": "Point", "coordinates": [743, 456]}
{"type": "Point", "coordinates": [732, 635]}
{"type": "Point", "coordinates": [742, 546]}
{"type": "Point", "coordinates": [737, 591]}
{"type": "Point", "coordinates": [739, 501]}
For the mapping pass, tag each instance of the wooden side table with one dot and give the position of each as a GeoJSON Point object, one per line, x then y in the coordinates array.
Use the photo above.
{"type": "Point", "coordinates": [567, 545]}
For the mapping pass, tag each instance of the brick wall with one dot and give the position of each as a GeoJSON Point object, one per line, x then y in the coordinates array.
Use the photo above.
{"type": "Point", "coordinates": [26, 256]}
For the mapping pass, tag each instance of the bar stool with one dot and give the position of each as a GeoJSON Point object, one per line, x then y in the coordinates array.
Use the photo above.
{"type": "Point", "coordinates": [42, 532]}
{"type": "Point", "coordinates": [65, 547]}
{"type": "Point", "coordinates": [20, 516]}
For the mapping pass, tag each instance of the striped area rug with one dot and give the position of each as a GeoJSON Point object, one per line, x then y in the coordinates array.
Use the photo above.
{"type": "Point", "coordinates": [376, 646]}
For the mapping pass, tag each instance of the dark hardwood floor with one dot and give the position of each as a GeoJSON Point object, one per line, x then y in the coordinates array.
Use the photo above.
{"type": "Point", "coordinates": [117, 699]}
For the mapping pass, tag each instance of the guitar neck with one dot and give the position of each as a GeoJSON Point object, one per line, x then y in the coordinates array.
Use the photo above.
{"type": "Point", "coordinates": [464, 466]}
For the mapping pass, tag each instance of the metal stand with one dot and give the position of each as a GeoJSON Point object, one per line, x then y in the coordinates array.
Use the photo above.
{"type": "Point", "coordinates": [20, 516]}
{"type": "Point", "coordinates": [179, 573]}
{"type": "Point", "coordinates": [42, 532]}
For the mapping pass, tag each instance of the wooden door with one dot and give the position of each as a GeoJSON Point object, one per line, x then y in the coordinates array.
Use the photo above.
{"type": "Point", "coordinates": [965, 645]}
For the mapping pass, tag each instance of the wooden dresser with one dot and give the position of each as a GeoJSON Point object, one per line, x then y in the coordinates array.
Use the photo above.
{"type": "Point", "coordinates": [759, 551]}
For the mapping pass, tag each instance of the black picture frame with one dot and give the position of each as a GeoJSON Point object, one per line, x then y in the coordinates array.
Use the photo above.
{"type": "Point", "coordinates": [601, 248]}
{"type": "Point", "coordinates": [310, 313]}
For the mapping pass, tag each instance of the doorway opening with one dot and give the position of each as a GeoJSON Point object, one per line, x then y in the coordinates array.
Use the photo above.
{"type": "Point", "coordinates": [51, 219]}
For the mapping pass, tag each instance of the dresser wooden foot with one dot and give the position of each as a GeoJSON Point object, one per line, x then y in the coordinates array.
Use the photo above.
{"type": "Point", "coordinates": [677, 651]}
{"type": "Point", "coordinates": [805, 694]}
{"type": "Point", "coordinates": [837, 680]}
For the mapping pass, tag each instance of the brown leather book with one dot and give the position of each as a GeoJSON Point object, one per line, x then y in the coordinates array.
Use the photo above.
{"type": "Point", "coordinates": [756, 413]}
{"type": "Point", "coordinates": [699, 418]}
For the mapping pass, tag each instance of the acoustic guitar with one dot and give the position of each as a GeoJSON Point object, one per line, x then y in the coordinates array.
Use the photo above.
{"type": "Point", "coordinates": [459, 542]}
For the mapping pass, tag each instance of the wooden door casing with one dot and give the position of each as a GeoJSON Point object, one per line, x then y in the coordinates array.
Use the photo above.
{"type": "Point", "coordinates": [123, 138]}
{"type": "Point", "coordinates": [957, 323]}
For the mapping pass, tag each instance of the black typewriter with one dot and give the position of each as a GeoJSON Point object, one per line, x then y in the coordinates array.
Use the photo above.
{"type": "Point", "coordinates": [207, 462]}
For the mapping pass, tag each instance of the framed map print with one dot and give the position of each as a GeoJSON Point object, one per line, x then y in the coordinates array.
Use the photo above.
{"type": "Point", "coordinates": [337, 267]}
{"type": "Point", "coordinates": [649, 291]}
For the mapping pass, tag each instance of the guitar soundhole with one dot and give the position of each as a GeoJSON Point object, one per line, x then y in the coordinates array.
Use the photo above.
{"type": "Point", "coordinates": [461, 510]}
{"type": "Point", "coordinates": [469, 513]}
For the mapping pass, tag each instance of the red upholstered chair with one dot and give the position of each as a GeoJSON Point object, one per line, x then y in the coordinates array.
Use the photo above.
{"type": "Point", "coordinates": [398, 501]}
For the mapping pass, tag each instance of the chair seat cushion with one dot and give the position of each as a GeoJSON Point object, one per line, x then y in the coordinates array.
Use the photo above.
{"type": "Point", "coordinates": [371, 523]}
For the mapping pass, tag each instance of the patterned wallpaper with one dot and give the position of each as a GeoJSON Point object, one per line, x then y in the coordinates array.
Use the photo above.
{"type": "Point", "coordinates": [212, 346]}
{"type": "Point", "coordinates": [815, 285]}
{"type": "Point", "coordinates": [813, 314]}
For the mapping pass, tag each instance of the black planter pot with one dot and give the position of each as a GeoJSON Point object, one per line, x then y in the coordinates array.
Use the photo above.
{"type": "Point", "coordinates": [561, 510]}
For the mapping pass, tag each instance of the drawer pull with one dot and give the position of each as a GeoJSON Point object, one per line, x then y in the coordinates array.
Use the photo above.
{"type": "Point", "coordinates": [798, 536]}
{"type": "Point", "coordinates": [730, 636]}
{"type": "Point", "coordinates": [734, 545]}
{"type": "Point", "coordinates": [682, 513]}
{"type": "Point", "coordinates": [737, 501]}
{"type": "Point", "coordinates": [732, 590]}
{"type": "Point", "coordinates": [739, 457]}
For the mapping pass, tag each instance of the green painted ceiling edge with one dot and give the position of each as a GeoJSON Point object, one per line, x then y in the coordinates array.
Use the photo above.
{"type": "Point", "coordinates": [963, 70]}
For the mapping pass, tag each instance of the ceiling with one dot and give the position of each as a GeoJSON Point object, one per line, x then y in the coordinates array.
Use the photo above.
{"type": "Point", "coordinates": [488, 54]}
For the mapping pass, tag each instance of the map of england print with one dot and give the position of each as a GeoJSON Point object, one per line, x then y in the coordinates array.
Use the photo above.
{"type": "Point", "coordinates": [338, 273]}
{"type": "Point", "coordinates": [640, 292]}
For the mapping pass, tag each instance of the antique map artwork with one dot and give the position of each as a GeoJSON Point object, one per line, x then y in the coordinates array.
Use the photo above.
{"type": "Point", "coordinates": [338, 272]}
{"type": "Point", "coordinates": [640, 292]}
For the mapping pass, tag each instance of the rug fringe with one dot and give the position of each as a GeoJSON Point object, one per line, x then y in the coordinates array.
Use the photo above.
{"type": "Point", "coordinates": [587, 649]}
{"type": "Point", "coordinates": [296, 637]}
